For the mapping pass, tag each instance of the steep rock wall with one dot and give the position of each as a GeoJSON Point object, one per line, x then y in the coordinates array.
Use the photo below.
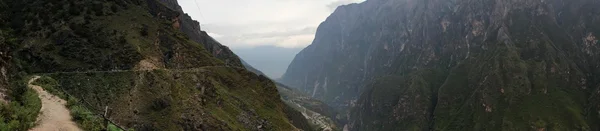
{"type": "Point", "coordinates": [496, 58]}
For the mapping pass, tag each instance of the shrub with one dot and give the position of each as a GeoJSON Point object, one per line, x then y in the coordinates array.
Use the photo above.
{"type": "Point", "coordinates": [22, 114]}
{"type": "Point", "coordinates": [74, 10]}
{"type": "Point", "coordinates": [112, 127]}
{"type": "Point", "coordinates": [160, 104]}
{"type": "Point", "coordinates": [85, 118]}
{"type": "Point", "coordinates": [144, 30]}
{"type": "Point", "coordinates": [114, 8]}
{"type": "Point", "coordinates": [49, 85]}
{"type": "Point", "coordinates": [98, 8]}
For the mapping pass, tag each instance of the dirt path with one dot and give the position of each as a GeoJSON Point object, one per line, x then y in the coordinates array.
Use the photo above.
{"type": "Point", "coordinates": [54, 115]}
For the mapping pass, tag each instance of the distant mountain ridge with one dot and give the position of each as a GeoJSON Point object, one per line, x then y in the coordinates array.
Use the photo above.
{"type": "Point", "coordinates": [271, 60]}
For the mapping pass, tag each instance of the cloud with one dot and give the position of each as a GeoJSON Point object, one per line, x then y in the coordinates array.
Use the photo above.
{"type": "Point", "coordinates": [297, 41]}
{"type": "Point", "coordinates": [215, 35]}
{"type": "Point", "coordinates": [245, 23]}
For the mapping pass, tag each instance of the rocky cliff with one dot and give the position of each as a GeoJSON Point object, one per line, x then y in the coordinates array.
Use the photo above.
{"type": "Point", "coordinates": [192, 28]}
{"type": "Point", "coordinates": [457, 65]}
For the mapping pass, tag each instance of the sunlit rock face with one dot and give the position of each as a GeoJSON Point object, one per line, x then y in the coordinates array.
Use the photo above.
{"type": "Point", "coordinates": [457, 64]}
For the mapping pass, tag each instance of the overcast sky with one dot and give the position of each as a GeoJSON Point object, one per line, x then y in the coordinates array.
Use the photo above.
{"type": "Point", "coordinates": [251, 23]}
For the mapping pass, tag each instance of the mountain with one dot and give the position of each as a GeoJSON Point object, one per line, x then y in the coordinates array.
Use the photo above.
{"type": "Point", "coordinates": [134, 64]}
{"type": "Point", "coordinates": [457, 65]}
{"type": "Point", "coordinates": [272, 60]}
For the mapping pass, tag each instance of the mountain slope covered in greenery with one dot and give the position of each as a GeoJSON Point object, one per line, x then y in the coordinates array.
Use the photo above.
{"type": "Point", "coordinates": [141, 64]}
{"type": "Point", "coordinates": [457, 65]}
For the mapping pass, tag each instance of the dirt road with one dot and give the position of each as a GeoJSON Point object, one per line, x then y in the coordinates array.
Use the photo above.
{"type": "Point", "coordinates": [54, 115]}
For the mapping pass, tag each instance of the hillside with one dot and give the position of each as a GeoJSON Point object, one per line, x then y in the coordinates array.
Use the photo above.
{"type": "Point", "coordinates": [457, 65]}
{"type": "Point", "coordinates": [140, 64]}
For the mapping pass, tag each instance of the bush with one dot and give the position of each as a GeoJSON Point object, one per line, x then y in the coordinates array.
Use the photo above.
{"type": "Point", "coordinates": [160, 104]}
{"type": "Point", "coordinates": [98, 8]}
{"type": "Point", "coordinates": [49, 85]}
{"type": "Point", "coordinates": [112, 127]}
{"type": "Point", "coordinates": [114, 8]}
{"type": "Point", "coordinates": [74, 10]}
{"type": "Point", "coordinates": [85, 118]}
{"type": "Point", "coordinates": [144, 30]}
{"type": "Point", "coordinates": [17, 22]}
{"type": "Point", "coordinates": [20, 115]}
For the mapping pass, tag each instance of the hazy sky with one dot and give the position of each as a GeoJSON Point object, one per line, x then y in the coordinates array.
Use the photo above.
{"type": "Point", "coordinates": [251, 23]}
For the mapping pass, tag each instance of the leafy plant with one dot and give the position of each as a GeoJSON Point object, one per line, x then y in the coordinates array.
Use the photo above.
{"type": "Point", "coordinates": [21, 113]}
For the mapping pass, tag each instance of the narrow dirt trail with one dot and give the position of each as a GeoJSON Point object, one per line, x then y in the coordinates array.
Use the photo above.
{"type": "Point", "coordinates": [54, 115]}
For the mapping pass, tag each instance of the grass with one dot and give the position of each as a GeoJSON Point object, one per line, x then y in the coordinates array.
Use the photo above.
{"type": "Point", "coordinates": [85, 118]}
{"type": "Point", "coordinates": [22, 112]}
{"type": "Point", "coordinates": [158, 99]}
{"type": "Point", "coordinates": [20, 115]}
{"type": "Point", "coordinates": [104, 36]}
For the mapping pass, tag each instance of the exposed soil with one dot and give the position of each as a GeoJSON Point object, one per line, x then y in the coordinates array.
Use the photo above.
{"type": "Point", "coordinates": [54, 115]}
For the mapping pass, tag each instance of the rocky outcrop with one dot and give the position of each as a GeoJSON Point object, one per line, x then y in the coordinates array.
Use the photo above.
{"type": "Point", "coordinates": [192, 29]}
{"type": "Point", "coordinates": [456, 65]}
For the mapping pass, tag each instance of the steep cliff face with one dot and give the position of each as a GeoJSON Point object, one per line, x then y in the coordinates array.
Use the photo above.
{"type": "Point", "coordinates": [457, 65]}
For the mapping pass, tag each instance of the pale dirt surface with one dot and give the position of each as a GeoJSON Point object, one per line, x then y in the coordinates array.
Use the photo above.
{"type": "Point", "coordinates": [54, 115]}
{"type": "Point", "coordinates": [149, 64]}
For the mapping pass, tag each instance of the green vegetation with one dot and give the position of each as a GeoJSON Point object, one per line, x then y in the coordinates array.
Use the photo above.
{"type": "Point", "coordinates": [511, 94]}
{"type": "Point", "coordinates": [85, 119]}
{"type": "Point", "coordinates": [129, 56]}
{"type": "Point", "coordinates": [212, 97]}
{"type": "Point", "coordinates": [22, 112]}
{"type": "Point", "coordinates": [97, 39]}
{"type": "Point", "coordinates": [399, 98]}
{"type": "Point", "coordinates": [530, 68]}
{"type": "Point", "coordinates": [503, 92]}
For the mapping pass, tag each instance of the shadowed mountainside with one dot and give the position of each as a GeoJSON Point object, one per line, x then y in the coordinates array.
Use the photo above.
{"type": "Point", "coordinates": [457, 65]}
{"type": "Point", "coordinates": [142, 64]}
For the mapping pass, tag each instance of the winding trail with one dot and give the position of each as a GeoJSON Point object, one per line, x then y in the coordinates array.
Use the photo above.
{"type": "Point", "coordinates": [54, 115]}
